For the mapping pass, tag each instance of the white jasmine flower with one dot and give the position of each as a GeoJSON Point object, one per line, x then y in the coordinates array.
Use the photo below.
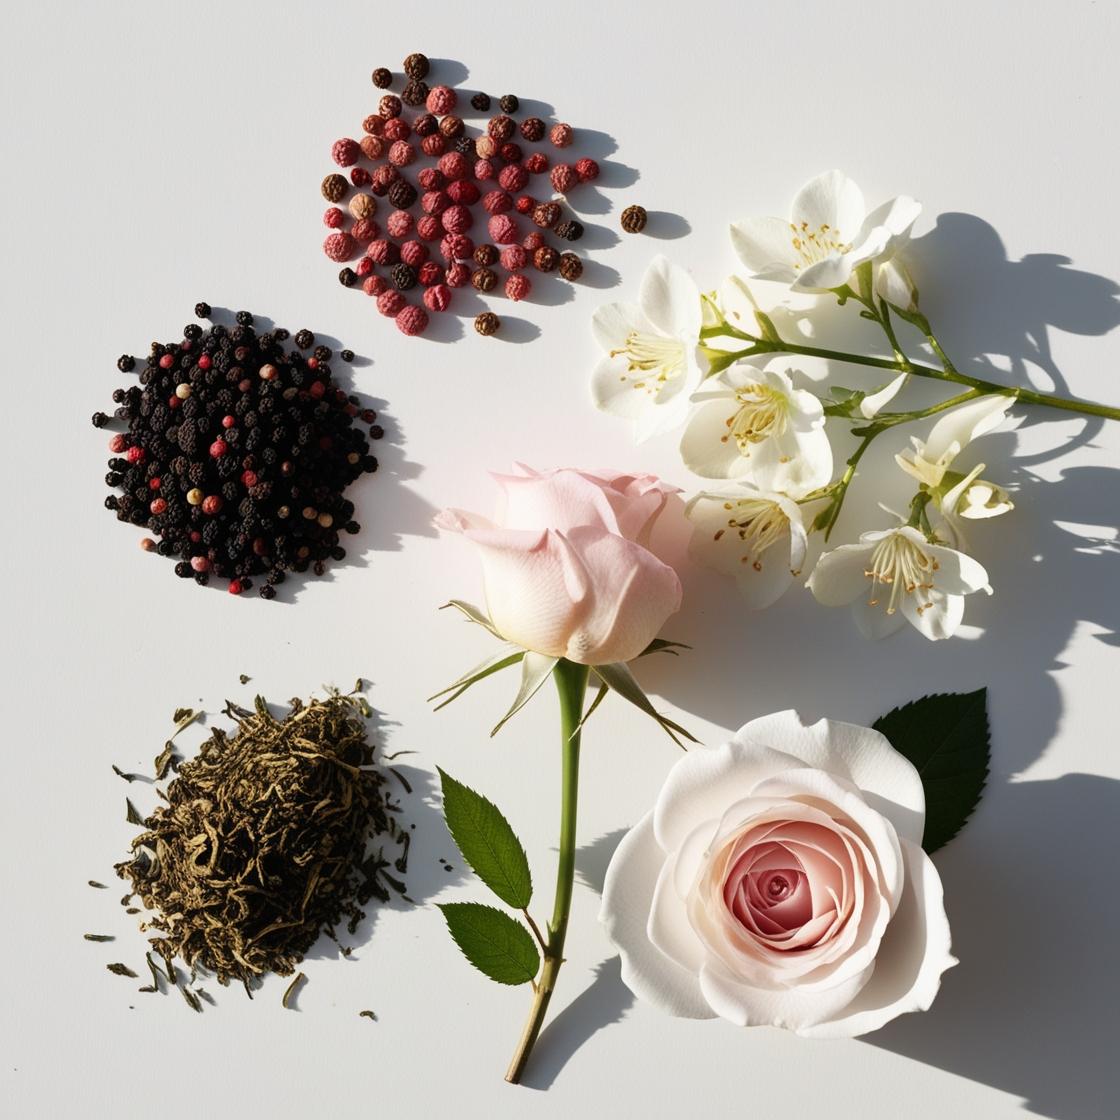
{"type": "Point", "coordinates": [897, 575]}
{"type": "Point", "coordinates": [651, 365]}
{"type": "Point", "coordinates": [752, 423]}
{"type": "Point", "coordinates": [754, 535]}
{"type": "Point", "coordinates": [931, 458]}
{"type": "Point", "coordinates": [827, 235]}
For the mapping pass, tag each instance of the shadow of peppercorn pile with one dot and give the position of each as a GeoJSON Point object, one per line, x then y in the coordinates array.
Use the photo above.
{"type": "Point", "coordinates": [455, 203]}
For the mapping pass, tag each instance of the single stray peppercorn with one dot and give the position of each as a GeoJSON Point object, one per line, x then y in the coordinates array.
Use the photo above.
{"type": "Point", "coordinates": [416, 66]}
{"type": "Point", "coordinates": [126, 363]}
{"type": "Point", "coordinates": [571, 267]}
{"type": "Point", "coordinates": [484, 279]}
{"type": "Point", "coordinates": [509, 103]}
{"type": "Point", "coordinates": [346, 355]}
{"type": "Point", "coordinates": [382, 78]}
{"type": "Point", "coordinates": [570, 230]}
{"type": "Point", "coordinates": [202, 310]}
{"type": "Point", "coordinates": [347, 277]}
{"type": "Point", "coordinates": [481, 102]}
{"type": "Point", "coordinates": [415, 93]}
{"type": "Point", "coordinates": [634, 219]}
{"type": "Point", "coordinates": [487, 323]}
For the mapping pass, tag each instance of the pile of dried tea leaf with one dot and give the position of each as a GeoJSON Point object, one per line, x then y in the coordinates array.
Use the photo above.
{"type": "Point", "coordinates": [268, 838]}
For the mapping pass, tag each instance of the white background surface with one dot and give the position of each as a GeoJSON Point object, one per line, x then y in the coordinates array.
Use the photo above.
{"type": "Point", "coordinates": [157, 154]}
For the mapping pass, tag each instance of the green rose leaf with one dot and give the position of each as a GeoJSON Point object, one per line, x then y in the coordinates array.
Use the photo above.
{"type": "Point", "coordinates": [488, 843]}
{"type": "Point", "coordinates": [946, 737]}
{"type": "Point", "coordinates": [493, 942]}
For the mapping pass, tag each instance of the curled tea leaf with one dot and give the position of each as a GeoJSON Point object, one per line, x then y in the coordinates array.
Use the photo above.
{"type": "Point", "coordinates": [118, 969]}
{"type": "Point", "coordinates": [98, 937]}
{"type": "Point", "coordinates": [290, 991]}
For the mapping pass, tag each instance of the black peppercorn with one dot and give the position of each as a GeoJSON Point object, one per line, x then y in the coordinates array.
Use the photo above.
{"type": "Point", "coordinates": [546, 259]}
{"type": "Point", "coordinates": [382, 78]}
{"type": "Point", "coordinates": [100, 419]}
{"type": "Point", "coordinates": [268, 591]}
{"type": "Point", "coordinates": [415, 93]}
{"type": "Point", "coordinates": [126, 363]}
{"type": "Point", "coordinates": [192, 331]}
{"type": "Point", "coordinates": [634, 219]}
{"type": "Point", "coordinates": [323, 353]}
{"type": "Point", "coordinates": [244, 319]}
{"type": "Point", "coordinates": [416, 66]}
{"type": "Point", "coordinates": [403, 276]}
{"type": "Point", "coordinates": [571, 267]}
{"type": "Point", "coordinates": [465, 146]}
{"type": "Point", "coordinates": [487, 323]}
{"type": "Point", "coordinates": [451, 126]}
{"type": "Point", "coordinates": [347, 277]}
{"type": "Point", "coordinates": [532, 129]}
{"type": "Point", "coordinates": [570, 230]}
{"type": "Point", "coordinates": [202, 310]}
{"type": "Point", "coordinates": [304, 339]}
{"type": "Point", "coordinates": [346, 355]}
{"type": "Point", "coordinates": [481, 102]}
{"type": "Point", "coordinates": [183, 569]}
{"type": "Point", "coordinates": [509, 103]}
{"type": "Point", "coordinates": [402, 194]}
{"type": "Point", "coordinates": [484, 279]}
{"type": "Point", "coordinates": [486, 255]}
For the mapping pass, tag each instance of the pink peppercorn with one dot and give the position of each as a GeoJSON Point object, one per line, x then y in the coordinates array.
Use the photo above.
{"type": "Point", "coordinates": [531, 242]}
{"type": "Point", "coordinates": [345, 152]}
{"type": "Point", "coordinates": [248, 478]}
{"type": "Point", "coordinates": [204, 362]}
{"type": "Point", "coordinates": [563, 177]}
{"type": "Point", "coordinates": [359, 176]}
{"type": "Point", "coordinates": [158, 506]}
{"type": "Point", "coordinates": [227, 422]}
{"type": "Point", "coordinates": [333, 218]}
{"type": "Point", "coordinates": [486, 147]}
{"type": "Point", "coordinates": [512, 178]}
{"type": "Point", "coordinates": [383, 252]}
{"type": "Point", "coordinates": [561, 135]}
{"type": "Point", "coordinates": [414, 253]}
{"type": "Point", "coordinates": [429, 273]}
{"type": "Point", "coordinates": [401, 153]}
{"type": "Point", "coordinates": [372, 146]}
{"type": "Point", "coordinates": [437, 297]}
{"type": "Point", "coordinates": [428, 228]}
{"type": "Point", "coordinates": [364, 267]}
{"type": "Point", "coordinates": [511, 152]}
{"type": "Point", "coordinates": [218, 448]}
{"type": "Point", "coordinates": [433, 145]}
{"type": "Point", "coordinates": [464, 191]}
{"type": "Point", "coordinates": [411, 319]}
{"type": "Point", "coordinates": [503, 229]}
{"type": "Point", "coordinates": [456, 219]}
{"type": "Point", "coordinates": [518, 286]}
{"type": "Point", "coordinates": [525, 204]}
{"type": "Point", "coordinates": [338, 246]}
{"type": "Point", "coordinates": [500, 128]}
{"type": "Point", "coordinates": [425, 125]}
{"type": "Point", "coordinates": [587, 169]}
{"type": "Point", "coordinates": [458, 275]}
{"type": "Point", "coordinates": [399, 223]}
{"type": "Point", "coordinates": [366, 229]}
{"type": "Point", "coordinates": [136, 455]}
{"type": "Point", "coordinates": [536, 164]}
{"type": "Point", "coordinates": [166, 361]}
{"type": "Point", "coordinates": [497, 202]}
{"type": "Point", "coordinates": [454, 165]}
{"type": "Point", "coordinates": [434, 202]}
{"type": "Point", "coordinates": [390, 106]}
{"type": "Point", "coordinates": [384, 176]}
{"type": "Point", "coordinates": [513, 258]}
{"type": "Point", "coordinates": [456, 247]}
{"type": "Point", "coordinates": [200, 564]}
{"type": "Point", "coordinates": [390, 302]}
{"type": "Point", "coordinates": [374, 285]}
{"type": "Point", "coordinates": [430, 178]}
{"type": "Point", "coordinates": [483, 170]}
{"type": "Point", "coordinates": [396, 129]}
{"type": "Point", "coordinates": [234, 587]}
{"type": "Point", "coordinates": [211, 504]}
{"type": "Point", "coordinates": [117, 444]}
{"type": "Point", "coordinates": [374, 124]}
{"type": "Point", "coordinates": [441, 100]}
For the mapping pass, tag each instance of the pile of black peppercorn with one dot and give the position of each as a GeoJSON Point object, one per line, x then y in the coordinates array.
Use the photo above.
{"type": "Point", "coordinates": [237, 454]}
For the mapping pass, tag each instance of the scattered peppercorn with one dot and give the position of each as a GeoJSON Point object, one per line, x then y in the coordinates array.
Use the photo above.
{"type": "Point", "coordinates": [402, 194]}
{"type": "Point", "coordinates": [532, 129]}
{"type": "Point", "coordinates": [99, 421]}
{"type": "Point", "coordinates": [465, 145]}
{"type": "Point", "coordinates": [126, 363]}
{"type": "Point", "coordinates": [441, 100]}
{"type": "Point", "coordinates": [415, 93]}
{"type": "Point", "coordinates": [346, 355]}
{"type": "Point", "coordinates": [487, 323]}
{"type": "Point", "coordinates": [484, 279]}
{"type": "Point", "coordinates": [404, 277]}
{"type": "Point", "coordinates": [202, 310]}
{"type": "Point", "coordinates": [546, 259]}
{"type": "Point", "coordinates": [518, 286]}
{"type": "Point", "coordinates": [334, 188]}
{"type": "Point", "coordinates": [546, 215]}
{"type": "Point", "coordinates": [481, 102]}
{"type": "Point", "coordinates": [485, 255]}
{"type": "Point", "coordinates": [634, 219]}
{"type": "Point", "coordinates": [304, 339]}
{"type": "Point", "coordinates": [571, 267]}
{"type": "Point", "coordinates": [451, 126]}
{"type": "Point", "coordinates": [412, 320]}
{"type": "Point", "coordinates": [561, 135]}
{"type": "Point", "coordinates": [416, 66]}
{"type": "Point", "coordinates": [382, 78]}
{"type": "Point", "coordinates": [509, 103]}
{"type": "Point", "coordinates": [389, 106]}
{"type": "Point", "coordinates": [570, 230]}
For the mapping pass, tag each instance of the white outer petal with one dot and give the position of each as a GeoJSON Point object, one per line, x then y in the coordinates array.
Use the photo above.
{"type": "Point", "coordinates": [765, 246]}
{"type": "Point", "coordinates": [670, 299]}
{"type": "Point", "coordinates": [838, 577]}
{"type": "Point", "coordinates": [628, 892]}
{"type": "Point", "coordinates": [611, 323]}
{"type": "Point", "coordinates": [833, 199]}
{"type": "Point", "coordinates": [962, 425]}
{"type": "Point", "coordinates": [871, 405]}
{"type": "Point", "coordinates": [914, 954]}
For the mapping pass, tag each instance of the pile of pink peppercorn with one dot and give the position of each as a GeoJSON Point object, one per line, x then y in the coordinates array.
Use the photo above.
{"type": "Point", "coordinates": [426, 207]}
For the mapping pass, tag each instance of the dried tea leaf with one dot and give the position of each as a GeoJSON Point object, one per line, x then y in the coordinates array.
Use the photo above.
{"type": "Point", "coordinates": [181, 714]}
{"type": "Point", "coordinates": [290, 991]}
{"type": "Point", "coordinates": [99, 886]}
{"type": "Point", "coordinates": [131, 815]}
{"type": "Point", "coordinates": [148, 988]}
{"type": "Point", "coordinates": [157, 976]}
{"type": "Point", "coordinates": [244, 678]}
{"type": "Point", "coordinates": [127, 777]}
{"type": "Point", "coordinates": [98, 937]}
{"type": "Point", "coordinates": [118, 969]}
{"type": "Point", "coordinates": [193, 1002]}
{"type": "Point", "coordinates": [164, 760]}
{"type": "Point", "coordinates": [367, 1015]}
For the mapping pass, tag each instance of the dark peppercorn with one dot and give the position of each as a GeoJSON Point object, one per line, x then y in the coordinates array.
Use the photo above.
{"type": "Point", "coordinates": [183, 569]}
{"type": "Point", "coordinates": [268, 591]}
{"type": "Point", "coordinates": [382, 78]}
{"type": "Point", "coordinates": [486, 255]}
{"type": "Point", "coordinates": [509, 103]}
{"type": "Point", "coordinates": [323, 353]}
{"type": "Point", "coordinates": [546, 259]}
{"type": "Point", "coordinates": [571, 267]}
{"type": "Point", "coordinates": [100, 419]}
{"type": "Point", "coordinates": [416, 66]}
{"type": "Point", "coordinates": [484, 279]}
{"type": "Point", "coordinates": [570, 230]}
{"type": "Point", "coordinates": [487, 323]}
{"type": "Point", "coordinates": [346, 355]}
{"type": "Point", "coordinates": [634, 219]}
{"type": "Point", "coordinates": [532, 129]}
{"type": "Point", "coordinates": [389, 106]}
{"type": "Point", "coordinates": [244, 319]}
{"type": "Point", "coordinates": [404, 277]}
{"type": "Point", "coordinates": [347, 277]}
{"type": "Point", "coordinates": [415, 93]}
{"type": "Point", "coordinates": [192, 331]}
{"type": "Point", "coordinates": [202, 310]}
{"type": "Point", "coordinates": [465, 145]}
{"type": "Point", "coordinates": [451, 126]}
{"type": "Point", "coordinates": [126, 363]}
{"type": "Point", "coordinates": [481, 102]}
{"type": "Point", "coordinates": [402, 194]}
{"type": "Point", "coordinates": [304, 339]}
{"type": "Point", "coordinates": [425, 125]}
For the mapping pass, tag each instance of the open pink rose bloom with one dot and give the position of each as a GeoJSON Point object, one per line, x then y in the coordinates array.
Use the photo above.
{"type": "Point", "coordinates": [780, 880]}
{"type": "Point", "coordinates": [566, 563]}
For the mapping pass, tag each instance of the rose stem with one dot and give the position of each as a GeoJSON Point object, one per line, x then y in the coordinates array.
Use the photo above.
{"type": "Point", "coordinates": [571, 683]}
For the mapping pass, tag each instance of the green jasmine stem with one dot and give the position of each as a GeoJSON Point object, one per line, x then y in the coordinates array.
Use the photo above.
{"type": "Point", "coordinates": [884, 317]}
{"type": "Point", "coordinates": [571, 684]}
{"type": "Point", "coordinates": [918, 509]}
{"type": "Point", "coordinates": [842, 484]}
{"type": "Point", "coordinates": [889, 419]}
